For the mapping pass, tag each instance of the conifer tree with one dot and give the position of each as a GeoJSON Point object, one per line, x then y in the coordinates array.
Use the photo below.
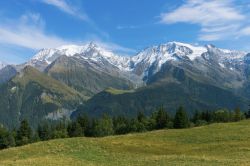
{"type": "Point", "coordinates": [162, 119]}
{"type": "Point", "coordinates": [24, 133]}
{"type": "Point", "coordinates": [181, 119]}
{"type": "Point", "coordinates": [75, 130]}
{"type": "Point", "coordinates": [44, 132]}
{"type": "Point", "coordinates": [237, 114]}
{"type": "Point", "coordinates": [102, 127]}
{"type": "Point", "coordinates": [6, 138]}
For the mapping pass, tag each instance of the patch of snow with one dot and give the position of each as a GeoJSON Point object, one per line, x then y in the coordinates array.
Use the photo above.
{"type": "Point", "coordinates": [2, 65]}
{"type": "Point", "coordinates": [59, 114]}
{"type": "Point", "coordinates": [155, 55]}
{"type": "Point", "coordinates": [13, 89]}
{"type": "Point", "coordinates": [222, 65]}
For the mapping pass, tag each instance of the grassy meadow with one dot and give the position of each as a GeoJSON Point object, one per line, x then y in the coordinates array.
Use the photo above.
{"type": "Point", "coordinates": [215, 144]}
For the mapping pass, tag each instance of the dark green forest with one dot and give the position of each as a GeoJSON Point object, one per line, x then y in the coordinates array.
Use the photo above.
{"type": "Point", "coordinates": [106, 126]}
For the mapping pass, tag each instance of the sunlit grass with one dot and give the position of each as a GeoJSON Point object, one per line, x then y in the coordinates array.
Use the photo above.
{"type": "Point", "coordinates": [118, 91]}
{"type": "Point", "coordinates": [216, 144]}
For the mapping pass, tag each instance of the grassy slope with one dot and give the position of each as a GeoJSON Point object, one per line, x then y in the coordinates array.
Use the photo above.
{"type": "Point", "coordinates": [118, 91]}
{"type": "Point", "coordinates": [32, 95]}
{"type": "Point", "coordinates": [217, 144]}
{"type": "Point", "coordinates": [33, 75]}
{"type": "Point", "coordinates": [81, 76]}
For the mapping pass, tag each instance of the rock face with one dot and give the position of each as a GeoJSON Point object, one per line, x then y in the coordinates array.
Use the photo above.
{"type": "Point", "coordinates": [33, 95]}
{"type": "Point", "coordinates": [170, 74]}
{"type": "Point", "coordinates": [141, 67]}
{"type": "Point", "coordinates": [7, 73]}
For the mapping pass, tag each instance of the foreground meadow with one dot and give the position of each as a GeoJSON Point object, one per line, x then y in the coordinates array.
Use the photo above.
{"type": "Point", "coordinates": [216, 144]}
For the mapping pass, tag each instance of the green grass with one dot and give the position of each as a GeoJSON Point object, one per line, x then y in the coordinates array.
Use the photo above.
{"type": "Point", "coordinates": [118, 91]}
{"type": "Point", "coordinates": [30, 74]}
{"type": "Point", "coordinates": [216, 144]}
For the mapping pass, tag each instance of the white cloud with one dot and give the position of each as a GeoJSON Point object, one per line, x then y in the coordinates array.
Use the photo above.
{"type": "Point", "coordinates": [209, 37]}
{"type": "Point", "coordinates": [120, 27]}
{"type": "Point", "coordinates": [204, 13]}
{"type": "Point", "coordinates": [28, 32]}
{"type": "Point", "coordinates": [115, 47]}
{"type": "Point", "coordinates": [245, 31]}
{"type": "Point", "coordinates": [67, 8]}
{"type": "Point", "coordinates": [219, 19]}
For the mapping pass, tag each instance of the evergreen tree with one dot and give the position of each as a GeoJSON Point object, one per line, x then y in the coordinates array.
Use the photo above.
{"type": "Point", "coordinates": [44, 132]}
{"type": "Point", "coordinates": [103, 127]}
{"type": "Point", "coordinates": [207, 116]}
{"type": "Point", "coordinates": [83, 121]}
{"type": "Point", "coordinates": [141, 117]}
{"type": "Point", "coordinates": [221, 115]}
{"type": "Point", "coordinates": [35, 138]}
{"type": "Point", "coordinates": [197, 116]}
{"type": "Point", "coordinates": [59, 130]}
{"type": "Point", "coordinates": [6, 138]}
{"type": "Point", "coordinates": [151, 122]}
{"type": "Point", "coordinates": [75, 129]}
{"type": "Point", "coordinates": [237, 115]}
{"type": "Point", "coordinates": [247, 114]}
{"type": "Point", "coordinates": [120, 125]}
{"type": "Point", "coordinates": [162, 119]}
{"type": "Point", "coordinates": [181, 119]}
{"type": "Point", "coordinates": [198, 119]}
{"type": "Point", "coordinates": [24, 133]}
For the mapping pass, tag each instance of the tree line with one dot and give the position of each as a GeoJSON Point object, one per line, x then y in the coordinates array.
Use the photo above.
{"type": "Point", "coordinates": [105, 126]}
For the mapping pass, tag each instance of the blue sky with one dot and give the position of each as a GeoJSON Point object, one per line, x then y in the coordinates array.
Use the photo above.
{"type": "Point", "coordinates": [124, 26]}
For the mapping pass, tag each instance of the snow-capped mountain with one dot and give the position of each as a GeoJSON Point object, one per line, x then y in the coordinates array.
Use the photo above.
{"type": "Point", "coordinates": [150, 60]}
{"type": "Point", "coordinates": [147, 62]}
{"type": "Point", "coordinates": [156, 56]}
{"type": "Point", "coordinates": [230, 59]}
{"type": "Point", "coordinates": [171, 73]}
{"type": "Point", "coordinates": [91, 52]}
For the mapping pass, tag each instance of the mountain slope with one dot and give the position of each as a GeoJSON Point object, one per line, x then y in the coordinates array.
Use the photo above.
{"type": "Point", "coordinates": [197, 77]}
{"type": "Point", "coordinates": [170, 74]}
{"type": "Point", "coordinates": [210, 64]}
{"type": "Point", "coordinates": [7, 73]}
{"type": "Point", "coordinates": [177, 89]}
{"type": "Point", "coordinates": [34, 96]}
{"type": "Point", "coordinates": [90, 52]}
{"type": "Point", "coordinates": [83, 77]}
{"type": "Point", "coordinates": [216, 144]}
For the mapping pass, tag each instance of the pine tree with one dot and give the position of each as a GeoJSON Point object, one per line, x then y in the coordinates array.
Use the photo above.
{"type": "Point", "coordinates": [221, 115]}
{"type": "Point", "coordinates": [83, 121]}
{"type": "Point", "coordinates": [24, 133]}
{"type": "Point", "coordinates": [120, 125]}
{"type": "Point", "coordinates": [162, 119]}
{"type": "Point", "coordinates": [181, 119]}
{"type": "Point", "coordinates": [237, 115]}
{"type": "Point", "coordinates": [75, 130]}
{"type": "Point", "coordinates": [207, 116]}
{"type": "Point", "coordinates": [44, 132]}
{"type": "Point", "coordinates": [102, 127]}
{"type": "Point", "coordinates": [6, 138]}
{"type": "Point", "coordinates": [197, 116]}
{"type": "Point", "coordinates": [59, 130]}
{"type": "Point", "coordinates": [141, 117]}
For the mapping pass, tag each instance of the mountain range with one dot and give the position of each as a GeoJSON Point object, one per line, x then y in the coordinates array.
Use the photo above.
{"type": "Point", "coordinates": [88, 79]}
